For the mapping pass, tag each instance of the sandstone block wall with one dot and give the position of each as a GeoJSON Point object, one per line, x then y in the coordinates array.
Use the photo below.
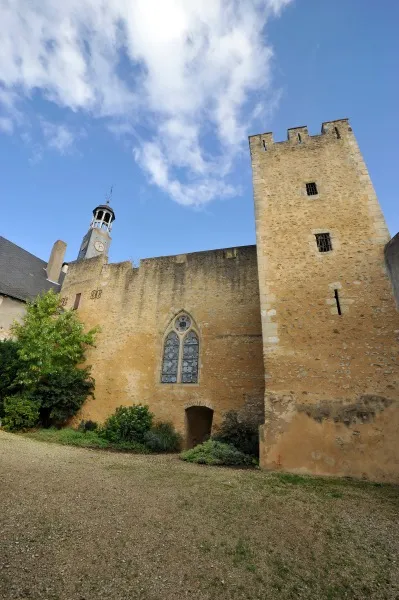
{"type": "Point", "coordinates": [331, 379]}
{"type": "Point", "coordinates": [134, 307]}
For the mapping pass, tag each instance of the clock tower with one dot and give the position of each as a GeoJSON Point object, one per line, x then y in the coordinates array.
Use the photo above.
{"type": "Point", "coordinates": [98, 239]}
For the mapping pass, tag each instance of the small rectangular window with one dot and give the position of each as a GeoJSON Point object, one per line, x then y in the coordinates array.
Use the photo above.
{"type": "Point", "coordinates": [264, 145]}
{"type": "Point", "coordinates": [311, 189]}
{"type": "Point", "coordinates": [77, 301]}
{"type": "Point", "coordinates": [337, 133]}
{"type": "Point", "coordinates": [323, 241]}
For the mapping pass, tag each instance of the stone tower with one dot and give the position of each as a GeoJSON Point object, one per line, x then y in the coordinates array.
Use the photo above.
{"type": "Point", "coordinates": [97, 240]}
{"type": "Point", "coordinates": [329, 321]}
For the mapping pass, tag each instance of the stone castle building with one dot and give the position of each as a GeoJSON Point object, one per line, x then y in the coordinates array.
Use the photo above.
{"type": "Point", "coordinates": [298, 333]}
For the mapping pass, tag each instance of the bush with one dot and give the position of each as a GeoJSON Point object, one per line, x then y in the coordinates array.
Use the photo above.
{"type": "Point", "coordinates": [128, 424]}
{"type": "Point", "coordinates": [62, 394]}
{"type": "Point", "coordinates": [241, 434]}
{"type": "Point", "coordinates": [163, 438]}
{"type": "Point", "coordinates": [216, 453]}
{"type": "Point", "coordinates": [85, 426]}
{"type": "Point", "coordinates": [20, 412]}
{"type": "Point", "coordinates": [9, 364]}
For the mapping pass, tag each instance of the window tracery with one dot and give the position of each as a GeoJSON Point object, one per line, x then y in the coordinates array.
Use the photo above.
{"type": "Point", "coordinates": [180, 357]}
{"type": "Point", "coordinates": [170, 361]}
{"type": "Point", "coordinates": [190, 358]}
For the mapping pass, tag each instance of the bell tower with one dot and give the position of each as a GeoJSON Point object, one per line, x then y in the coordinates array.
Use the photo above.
{"type": "Point", "coordinates": [98, 239]}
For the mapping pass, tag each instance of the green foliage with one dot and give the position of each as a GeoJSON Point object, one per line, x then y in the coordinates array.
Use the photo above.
{"type": "Point", "coordinates": [216, 453]}
{"type": "Point", "coordinates": [50, 340]}
{"type": "Point", "coordinates": [41, 365]}
{"type": "Point", "coordinates": [9, 364]}
{"type": "Point", "coordinates": [239, 433]}
{"type": "Point", "coordinates": [62, 395]}
{"type": "Point", "coordinates": [163, 438]}
{"type": "Point", "coordinates": [136, 447]}
{"type": "Point", "coordinates": [87, 439]}
{"type": "Point", "coordinates": [87, 426]}
{"type": "Point", "coordinates": [128, 424]}
{"type": "Point", "coordinates": [20, 412]}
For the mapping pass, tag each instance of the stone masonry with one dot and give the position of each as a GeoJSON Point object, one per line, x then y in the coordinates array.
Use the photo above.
{"type": "Point", "coordinates": [329, 323]}
{"type": "Point", "coordinates": [135, 306]}
{"type": "Point", "coordinates": [298, 333]}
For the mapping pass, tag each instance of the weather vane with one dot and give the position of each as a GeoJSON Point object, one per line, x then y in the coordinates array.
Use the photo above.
{"type": "Point", "coordinates": [108, 196]}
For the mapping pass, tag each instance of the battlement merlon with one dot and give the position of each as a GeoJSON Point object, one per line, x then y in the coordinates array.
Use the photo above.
{"type": "Point", "coordinates": [337, 129]}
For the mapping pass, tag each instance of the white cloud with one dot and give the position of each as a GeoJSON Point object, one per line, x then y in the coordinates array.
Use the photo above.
{"type": "Point", "coordinates": [58, 137]}
{"type": "Point", "coordinates": [6, 125]}
{"type": "Point", "coordinates": [178, 70]}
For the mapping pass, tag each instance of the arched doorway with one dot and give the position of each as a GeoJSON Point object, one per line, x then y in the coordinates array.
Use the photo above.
{"type": "Point", "coordinates": [198, 425]}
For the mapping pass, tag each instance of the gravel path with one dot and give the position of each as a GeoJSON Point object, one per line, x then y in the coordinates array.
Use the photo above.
{"type": "Point", "coordinates": [77, 524]}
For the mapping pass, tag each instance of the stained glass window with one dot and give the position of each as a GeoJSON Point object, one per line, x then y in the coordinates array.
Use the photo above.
{"type": "Point", "coordinates": [170, 358]}
{"type": "Point", "coordinates": [182, 323]}
{"type": "Point", "coordinates": [189, 369]}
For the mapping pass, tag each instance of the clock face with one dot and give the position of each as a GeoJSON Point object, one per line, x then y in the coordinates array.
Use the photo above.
{"type": "Point", "coordinates": [99, 246]}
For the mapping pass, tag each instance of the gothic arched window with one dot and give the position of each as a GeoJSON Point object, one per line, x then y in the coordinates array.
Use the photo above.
{"type": "Point", "coordinates": [180, 352]}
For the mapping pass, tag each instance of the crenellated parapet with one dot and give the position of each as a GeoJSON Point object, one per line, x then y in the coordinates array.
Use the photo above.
{"type": "Point", "coordinates": [297, 136]}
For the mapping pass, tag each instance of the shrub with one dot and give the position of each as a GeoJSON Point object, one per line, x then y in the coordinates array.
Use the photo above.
{"type": "Point", "coordinates": [163, 438]}
{"type": "Point", "coordinates": [9, 363]}
{"type": "Point", "coordinates": [20, 412]}
{"type": "Point", "coordinates": [216, 453]}
{"type": "Point", "coordinates": [62, 394]}
{"type": "Point", "coordinates": [241, 434]}
{"type": "Point", "coordinates": [88, 425]}
{"type": "Point", "coordinates": [128, 424]}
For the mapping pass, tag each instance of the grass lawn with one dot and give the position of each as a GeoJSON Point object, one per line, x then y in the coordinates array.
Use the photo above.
{"type": "Point", "coordinates": [89, 439]}
{"type": "Point", "coordinates": [77, 524]}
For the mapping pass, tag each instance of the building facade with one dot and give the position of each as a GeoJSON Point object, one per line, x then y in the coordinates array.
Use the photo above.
{"type": "Point", "coordinates": [329, 322]}
{"type": "Point", "coordinates": [298, 333]}
{"type": "Point", "coordinates": [24, 276]}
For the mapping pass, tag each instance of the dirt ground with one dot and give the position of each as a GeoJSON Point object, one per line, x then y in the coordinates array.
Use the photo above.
{"type": "Point", "coordinates": [77, 524]}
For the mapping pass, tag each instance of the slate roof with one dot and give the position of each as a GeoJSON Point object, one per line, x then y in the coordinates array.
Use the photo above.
{"type": "Point", "coordinates": [22, 275]}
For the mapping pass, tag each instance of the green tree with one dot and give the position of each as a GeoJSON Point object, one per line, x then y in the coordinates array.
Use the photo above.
{"type": "Point", "coordinates": [61, 395]}
{"type": "Point", "coordinates": [9, 364]}
{"type": "Point", "coordinates": [49, 339]}
{"type": "Point", "coordinates": [43, 365]}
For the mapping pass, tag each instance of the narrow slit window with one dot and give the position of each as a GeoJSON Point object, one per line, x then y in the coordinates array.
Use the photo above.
{"type": "Point", "coordinates": [299, 138]}
{"type": "Point", "coordinates": [311, 189]}
{"type": "Point", "coordinates": [264, 145]}
{"type": "Point", "coordinates": [337, 302]}
{"type": "Point", "coordinates": [77, 301]}
{"type": "Point", "coordinates": [323, 241]}
{"type": "Point", "coordinates": [337, 133]}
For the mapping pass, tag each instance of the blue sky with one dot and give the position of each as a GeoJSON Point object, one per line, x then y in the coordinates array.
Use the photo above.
{"type": "Point", "coordinates": [157, 99]}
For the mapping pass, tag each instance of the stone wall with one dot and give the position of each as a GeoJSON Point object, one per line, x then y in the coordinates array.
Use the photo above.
{"type": "Point", "coordinates": [135, 306]}
{"type": "Point", "coordinates": [392, 261]}
{"type": "Point", "coordinates": [10, 310]}
{"type": "Point", "coordinates": [329, 321]}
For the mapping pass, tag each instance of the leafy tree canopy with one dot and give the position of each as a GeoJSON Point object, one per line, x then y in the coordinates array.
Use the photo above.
{"type": "Point", "coordinates": [49, 340]}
